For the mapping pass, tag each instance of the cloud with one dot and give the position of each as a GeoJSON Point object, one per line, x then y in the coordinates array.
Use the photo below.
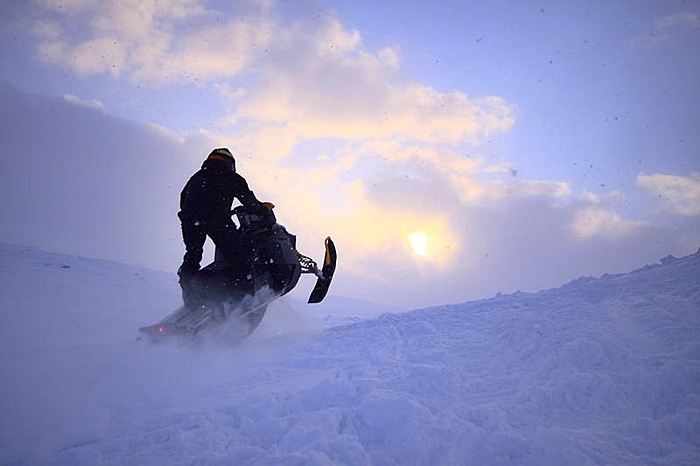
{"type": "Point", "coordinates": [92, 103]}
{"type": "Point", "coordinates": [333, 88]}
{"type": "Point", "coordinates": [679, 20]}
{"type": "Point", "coordinates": [596, 216]}
{"type": "Point", "coordinates": [591, 222]}
{"type": "Point", "coordinates": [678, 194]}
{"type": "Point", "coordinates": [669, 28]}
{"type": "Point", "coordinates": [149, 42]}
{"type": "Point", "coordinates": [314, 79]}
{"type": "Point", "coordinates": [167, 133]}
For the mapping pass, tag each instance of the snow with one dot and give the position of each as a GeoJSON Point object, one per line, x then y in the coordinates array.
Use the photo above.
{"type": "Point", "coordinates": [599, 371]}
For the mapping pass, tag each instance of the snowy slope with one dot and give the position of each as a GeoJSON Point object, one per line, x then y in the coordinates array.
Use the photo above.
{"type": "Point", "coordinates": [599, 371]}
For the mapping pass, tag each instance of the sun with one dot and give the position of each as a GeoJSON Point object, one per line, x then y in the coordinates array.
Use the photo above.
{"type": "Point", "coordinates": [419, 243]}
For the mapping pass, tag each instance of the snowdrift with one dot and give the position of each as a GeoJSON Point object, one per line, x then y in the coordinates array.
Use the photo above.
{"type": "Point", "coordinates": [599, 371]}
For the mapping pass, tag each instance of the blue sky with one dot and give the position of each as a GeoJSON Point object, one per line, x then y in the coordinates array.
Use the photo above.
{"type": "Point", "coordinates": [452, 149]}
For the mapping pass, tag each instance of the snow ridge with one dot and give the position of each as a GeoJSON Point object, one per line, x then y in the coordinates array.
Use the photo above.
{"type": "Point", "coordinates": [599, 371]}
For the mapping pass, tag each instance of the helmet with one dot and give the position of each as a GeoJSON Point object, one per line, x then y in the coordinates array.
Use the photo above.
{"type": "Point", "coordinates": [221, 152]}
{"type": "Point", "coordinates": [224, 154]}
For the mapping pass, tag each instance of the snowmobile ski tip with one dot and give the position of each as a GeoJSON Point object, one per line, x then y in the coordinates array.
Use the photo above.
{"type": "Point", "coordinates": [323, 282]}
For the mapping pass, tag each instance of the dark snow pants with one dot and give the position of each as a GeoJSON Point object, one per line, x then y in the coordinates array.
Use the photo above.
{"type": "Point", "coordinates": [224, 235]}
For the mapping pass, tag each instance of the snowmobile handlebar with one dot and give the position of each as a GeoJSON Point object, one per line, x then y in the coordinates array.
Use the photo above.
{"type": "Point", "coordinates": [257, 216]}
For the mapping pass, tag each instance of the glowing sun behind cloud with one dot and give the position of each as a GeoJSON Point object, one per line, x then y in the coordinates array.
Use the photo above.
{"type": "Point", "coordinates": [419, 243]}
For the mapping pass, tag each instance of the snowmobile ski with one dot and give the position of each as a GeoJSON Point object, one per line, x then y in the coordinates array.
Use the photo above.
{"type": "Point", "coordinates": [323, 282]}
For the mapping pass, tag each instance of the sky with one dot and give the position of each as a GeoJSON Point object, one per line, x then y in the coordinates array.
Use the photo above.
{"type": "Point", "coordinates": [453, 150]}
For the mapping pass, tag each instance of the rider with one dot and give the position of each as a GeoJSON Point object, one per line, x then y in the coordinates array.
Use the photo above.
{"type": "Point", "coordinates": [205, 210]}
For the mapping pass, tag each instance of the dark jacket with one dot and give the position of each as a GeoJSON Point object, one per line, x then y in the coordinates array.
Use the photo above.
{"type": "Point", "coordinates": [208, 195]}
{"type": "Point", "coordinates": [205, 210]}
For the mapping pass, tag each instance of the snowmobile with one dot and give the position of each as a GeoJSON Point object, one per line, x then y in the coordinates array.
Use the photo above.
{"type": "Point", "coordinates": [232, 301]}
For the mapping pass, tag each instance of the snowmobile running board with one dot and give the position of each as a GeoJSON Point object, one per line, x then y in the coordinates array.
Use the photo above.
{"type": "Point", "coordinates": [325, 274]}
{"type": "Point", "coordinates": [194, 324]}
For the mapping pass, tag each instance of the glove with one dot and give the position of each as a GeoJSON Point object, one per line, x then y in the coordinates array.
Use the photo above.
{"type": "Point", "coordinates": [187, 271]}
